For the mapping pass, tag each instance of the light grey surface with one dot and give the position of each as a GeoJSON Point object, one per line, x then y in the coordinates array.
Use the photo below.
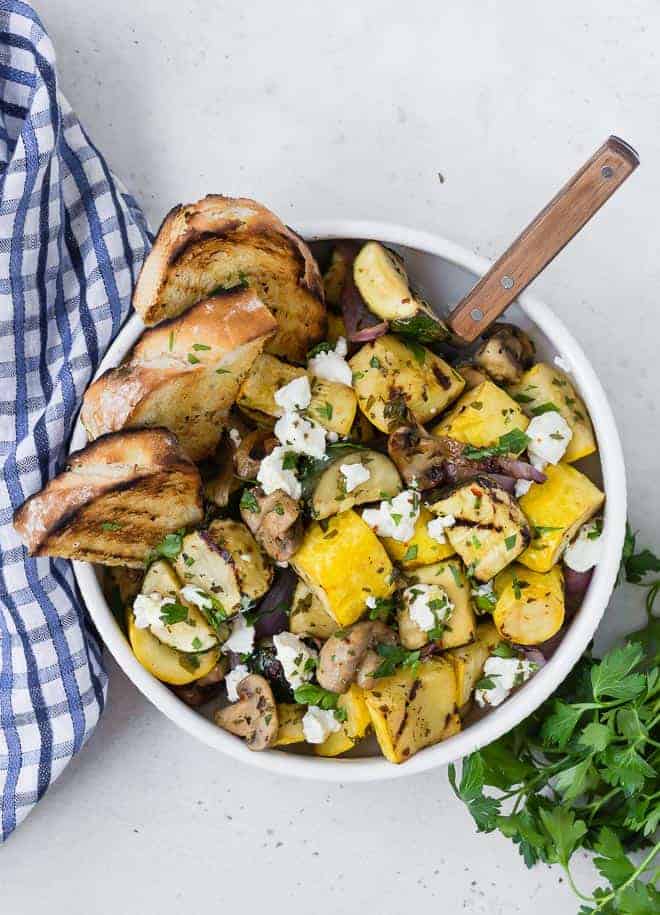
{"type": "Point", "coordinates": [350, 110]}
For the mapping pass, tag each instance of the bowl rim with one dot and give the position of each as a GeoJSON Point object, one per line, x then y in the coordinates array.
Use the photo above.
{"type": "Point", "coordinates": [539, 688]}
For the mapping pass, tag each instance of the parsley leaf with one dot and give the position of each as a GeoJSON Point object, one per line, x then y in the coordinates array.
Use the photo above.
{"type": "Point", "coordinates": [512, 442]}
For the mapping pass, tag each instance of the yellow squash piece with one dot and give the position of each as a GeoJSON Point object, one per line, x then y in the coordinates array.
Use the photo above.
{"type": "Point", "coordinates": [413, 709]}
{"type": "Point", "coordinates": [451, 577]}
{"type": "Point", "coordinates": [333, 406]}
{"type": "Point", "coordinates": [530, 605]}
{"type": "Point", "coordinates": [545, 385]}
{"type": "Point", "coordinates": [290, 730]}
{"type": "Point", "coordinates": [469, 660]}
{"type": "Point", "coordinates": [165, 663]}
{"type": "Point", "coordinates": [353, 729]}
{"type": "Point", "coordinates": [481, 416]}
{"type": "Point", "coordinates": [421, 549]}
{"type": "Point", "coordinates": [393, 378]}
{"type": "Point", "coordinates": [556, 509]}
{"type": "Point", "coordinates": [307, 616]}
{"type": "Point", "coordinates": [343, 562]}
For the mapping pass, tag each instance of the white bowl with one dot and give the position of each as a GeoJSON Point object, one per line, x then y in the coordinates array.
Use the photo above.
{"type": "Point", "coordinates": [445, 272]}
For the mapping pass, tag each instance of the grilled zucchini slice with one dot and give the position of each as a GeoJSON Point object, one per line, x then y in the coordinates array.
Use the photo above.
{"type": "Point", "coordinates": [307, 616]}
{"type": "Point", "coordinates": [207, 566]}
{"type": "Point", "coordinates": [330, 496]}
{"type": "Point", "coordinates": [253, 571]}
{"type": "Point", "coordinates": [394, 379]}
{"type": "Point", "coordinates": [490, 529]}
{"type": "Point", "coordinates": [192, 634]}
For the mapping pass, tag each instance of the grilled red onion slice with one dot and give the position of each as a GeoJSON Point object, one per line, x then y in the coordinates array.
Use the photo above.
{"type": "Point", "coordinates": [273, 611]}
{"type": "Point", "coordinates": [360, 323]}
{"type": "Point", "coordinates": [575, 586]}
{"type": "Point", "coordinates": [535, 655]}
{"type": "Point", "coordinates": [521, 470]}
{"type": "Point", "coordinates": [504, 482]}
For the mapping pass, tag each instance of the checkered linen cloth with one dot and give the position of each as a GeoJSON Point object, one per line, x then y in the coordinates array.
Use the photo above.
{"type": "Point", "coordinates": [71, 245]}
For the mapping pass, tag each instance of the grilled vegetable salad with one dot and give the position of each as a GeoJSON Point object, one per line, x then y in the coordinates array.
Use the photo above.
{"type": "Point", "coordinates": [394, 534]}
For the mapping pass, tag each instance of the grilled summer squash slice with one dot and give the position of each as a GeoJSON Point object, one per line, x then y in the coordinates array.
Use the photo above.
{"type": "Point", "coordinates": [394, 379]}
{"type": "Point", "coordinates": [556, 509]}
{"type": "Point", "coordinates": [530, 605]}
{"type": "Point", "coordinates": [469, 660]}
{"type": "Point", "coordinates": [413, 709]}
{"type": "Point", "coordinates": [191, 634]}
{"type": "Point", "coordinates": [307, 616]}
{"type": "Point", "coordinates": [290, 727]}
{"type": "Point", "coordinates": [382, 281]}
{"type": "Point", "coordinates": [421, 549]}
{"type": "Point", "coordinates": [343, 562]}
{"type": "Point", "coordinates": [253, 571]}
{"type": "Point", "coordinates": [353, 728]}
{"type": "Point", "coordinates": [461, 627]}
{"type": "Point", "coordinates": [165, 663]}
{"type": "Point", "coordinates": [330, 496]}
{"type": "Point", "coordinates": [481, 416]}
{"type": "Point", "coordinates": [490, 529]}
{"type": "Point", "coordinates": [545, 387]}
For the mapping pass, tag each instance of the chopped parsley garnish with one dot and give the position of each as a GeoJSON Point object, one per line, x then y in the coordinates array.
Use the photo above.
{"type": "Point", "coordinates": [417, 350]}
{"type": "Point", "coordinates": [323, 347]}
{"type": "Point", "coordinates": [110, 526]}
{"type": "Point", "coordinates": [249, 501]}
{"type": "Point", "coordinates": [411, 553]}
{"type": "Point", "coordinates": [196, 643]}
{"type": "Point", "coordinates": [512, 442]}
{"type": "Point", "coordinates": [547, 407]}
{"type": "Point", "coordinates": [325, 410]}
{"type": "Point", "coordinates": [192, 359]}
{"type": "Point", "coordinates": [394, 656]}
{"type": "Point", "coordinates": [173, 613]}
{"type": "Point", "coordinates": [169, 547]}
{"type": "Point", "coordinates": [290, 461]}
{"type": "Point", "coordinates": [510, 542]}
{"type": "Point", "coordinates": [374, 362]}
{"type": "Point", "coordinates": [199, 347]}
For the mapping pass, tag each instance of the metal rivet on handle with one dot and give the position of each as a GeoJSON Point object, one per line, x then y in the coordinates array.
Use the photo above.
{"type": "Point", "coordinates": [476, 314]}
{"type": "Point", "coordinates": [507, 282]}
{"type": "Point", "coordinates": [607, 171]}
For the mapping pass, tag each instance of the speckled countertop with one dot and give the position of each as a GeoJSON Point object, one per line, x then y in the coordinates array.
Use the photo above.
{"type": "Point", "coordinates": [324, 110]}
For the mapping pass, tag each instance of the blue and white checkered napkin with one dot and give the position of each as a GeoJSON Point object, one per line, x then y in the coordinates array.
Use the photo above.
{"type": "Point", "coordinates": [71, 244]}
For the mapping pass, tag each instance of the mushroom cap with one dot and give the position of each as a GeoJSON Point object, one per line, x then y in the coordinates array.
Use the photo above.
{"type": "Point", "coordinates": [343, 654]}
{"type": "Point", "coordinates": [254, 716]}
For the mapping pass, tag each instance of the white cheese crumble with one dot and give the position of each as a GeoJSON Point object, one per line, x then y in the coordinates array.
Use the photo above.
{"type": "Point", "coordinates": [563, 363]}
{"type": "Point", "coordinates": [549, 436]}
{"type": "Point", "coordinates": [585, 551]}
{"type": "Point", "coordinates": [332, 437]}
{"type": "Point", "coordinates": [241, 639]}
{"type": "Point", "coordinates": [332, 366]}
{"type": "Point", "coordinates": [354, 474]}
{"type": "Point", "coordinates": [504, 673]}
{"type": "Point", "coordinates": [147, 608]}
{"type": "Point", "coordinates": [197, 597]}
{"type": "Point", "coordinates": [298, 660]}
{"type": "Point", "coordinates": [436, 527]}
{"type": "Point", "coordinates": [232, 679]}
{"type": "Point", "coordinates": [272, 475]}
{"type": "Point", "coordinates": [395, 518]}
{"type": "Point", "coordinates": [371, 602]}
{"type": "Point", "coordinates": [522, 487]}
{"type": "Point", "coordinates": [318, 724]}
{"type": "Point", "coordinates": [428, 605]}
{"type": "Point", "coordinates": [296, 395]}
{"type": "Point", "coordinates": [235, 438]}
{"type": "Point", "coordinates": [300, 435]}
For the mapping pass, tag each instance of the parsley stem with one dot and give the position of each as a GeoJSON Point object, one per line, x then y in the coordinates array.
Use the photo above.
{"type": "Point", "coordinates": [643, 866]}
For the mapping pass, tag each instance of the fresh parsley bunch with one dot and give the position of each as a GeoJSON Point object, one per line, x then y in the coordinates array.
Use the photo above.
{"type": "Point", "coordinates": [584, 770]}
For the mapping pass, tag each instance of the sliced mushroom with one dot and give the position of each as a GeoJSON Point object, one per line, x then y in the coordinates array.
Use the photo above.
{"type": "Point", "coordinates": [254, 716]}
{"type": "Point", "coordinates": [421, 458]}
{"type": "Point", "coordinates": [222, 482]}
{"type": "Point", "coordinates": [342, 657]}
{"type": "Point", "coordinates": [276, 523]}
{"type": "Point", "coordinates": [506, 353]}
{"type": "Point", "coordinates": [472, 375]}
{"type": "Point", "coordinates": [248, 454]}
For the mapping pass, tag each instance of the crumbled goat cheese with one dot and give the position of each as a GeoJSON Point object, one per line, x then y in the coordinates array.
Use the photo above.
{"type": "Point", "coordinates": [147, 607]}
{"type": "Point", "coordinates": [549, 436]}
{"type": "Point", "coordinates": [300, 435]}
{"type": "Point", "coordinates": [428, 605]}
{"type": "Point", "coordinates": [298, 660]}
{"type": "Point", "coordinates": [318, 724]}
{"type": "Point", "coordinates": [273, 476]}
{"type": "Point", "coordinates": [235, 438]}
{"type": "Point", "coordinates": [504, 673]}
{"type": "Point", "coordinates": [332, 437]}
{"type": "Point", "coordinates": [296, 395]}
{"type": "Point", "coordinates": [436, 527]}
{"type": "Point", "coordinates": [354, 474]}
{"type": "Point", "coordinates": [332, 366]}
{"type": "Point", "coordinates": [197, 597]}
{"type": "Point", "coordinates": [395, 518]}
{"type": "Point", "coordinates": [241, 639]}
{"type": "Point", "coordinates": [563, 363]}
{"type": "Point", "coordinates": [522, 487]}
{"type": "Point", "coordinates": [371, 602]}
{"type": "Point", "coordinates": [585, 551]}
{"type": "Point", "coordinates": [232, 680]}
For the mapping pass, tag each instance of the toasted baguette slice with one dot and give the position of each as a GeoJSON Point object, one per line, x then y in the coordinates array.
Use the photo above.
{"type": "Point", "coordinates": [184, 374]}
{"type": "Point", "coordinates": [115, 501]}
{"type": "Point", "coordinates": [223, 241]}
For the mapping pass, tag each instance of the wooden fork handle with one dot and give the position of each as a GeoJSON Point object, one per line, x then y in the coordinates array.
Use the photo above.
{"type": "Point", "coordinates": [544, 238]}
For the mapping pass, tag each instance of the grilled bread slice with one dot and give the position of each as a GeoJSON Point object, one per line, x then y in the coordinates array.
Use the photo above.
{"type": "Point", "coordinates": [184, 374]}
{"type": "Point", "coordinates": [115, 501]}
{"type": "Point", "coordinates": [224, 241]}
